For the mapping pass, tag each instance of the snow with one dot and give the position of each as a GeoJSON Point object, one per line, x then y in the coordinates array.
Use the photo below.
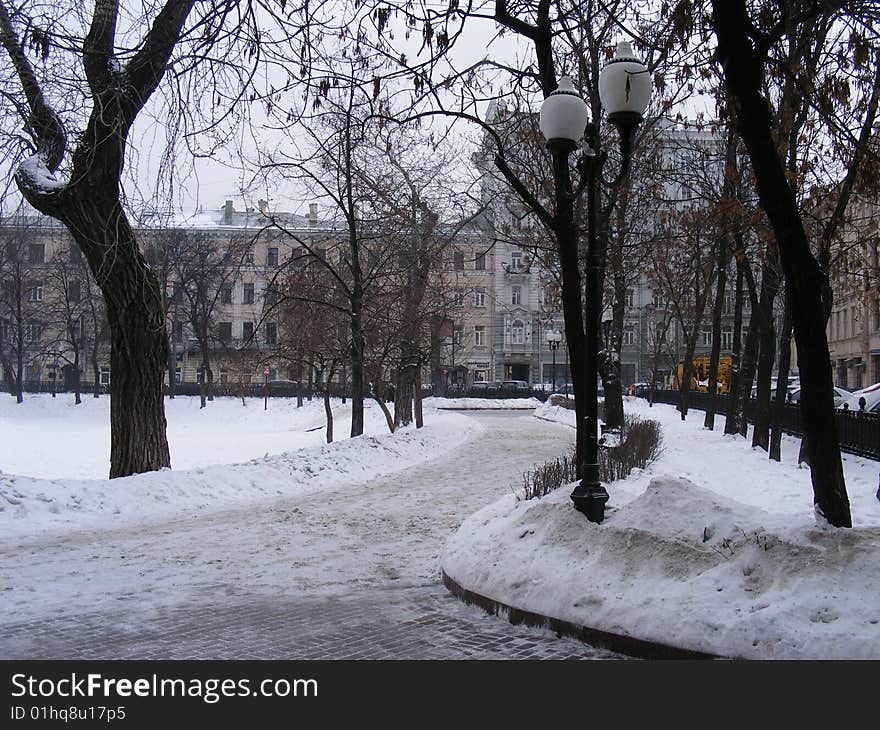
{"type": "Point", "coordinates": [482, 404]}
{"type": "Point", "coordinates": [283, 455]}
{"type": "Point", "coordinates": [38, 176]}
{"type": "Point", "coordinates": [713, 547]}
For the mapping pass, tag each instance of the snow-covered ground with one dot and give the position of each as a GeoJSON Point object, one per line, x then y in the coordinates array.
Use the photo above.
{"type": "Point", "coordinates": [713, 547]}
{"type": "Point", "coordinates": [53, 438]}
{"type": "Point", "coordinates": [482, 404]}
{"type": "Point", "coordinates": [54, 461]}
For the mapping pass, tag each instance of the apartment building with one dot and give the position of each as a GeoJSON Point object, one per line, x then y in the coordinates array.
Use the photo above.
{"type": "Point", "coordinates": [853, 329]}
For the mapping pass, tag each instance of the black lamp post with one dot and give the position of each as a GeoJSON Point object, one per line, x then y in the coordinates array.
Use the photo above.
{"type": "Point", "coordinates": [553, 340]}
{"type": "Point", "coordinates": [624, 90]}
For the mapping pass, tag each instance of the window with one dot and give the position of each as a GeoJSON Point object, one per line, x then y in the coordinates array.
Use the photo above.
{"type": "Point", "coordinates": [517, 333]}
{"type": "Point", "coordinates": [74, 291]}
{"type": "Point", "coordinates": [33, 332]}
{"type": "Point", "coordinates": [845, 328]}
{"type": "Point", "coordinates": [272, 258]}
{"type": "Point", "coordinates": [516, 261]}
{"type": "Point", "coordinates": [516, 295]}
{"type": "Point", "coordinates": [36, 253]}
{"type": "Point", "coordinates": [659, 301]}
{"type": "Point", "coordinates": [35, 293]}
{"type": "Point", "coordinates": [479, 335]}
{"type": "Point", "coordinates": [271, 333]}
{"type": "Point", "coordinates": [224, 376]}
{"type": "Point", "coordinates": [480, 376]}
{"type": "Point", "coordinates": [247, 330]}
{"type": "Point", "coordinates": [707, 337]}
{"type": "Point", "coordinates": [247, 294]}
{"type": "Point", "coordinates": [271, 295]}
{"type": "Point", "coordinates": [479, 297]}
{"type": "Point", "coordinates": [458, 298]}
{"type": "Point", "coordinates": [226, 294]}
{"type": "Point", "coordinates": [224, 331]}
{"type": "Point", "coordinates": [247, 375]}
{"type": "Point", "coordinates": [480, 262]}
{"type": "Point", "coordinates": [629, 335]}
{"type": "Point", "coordinates": [273, 374]}
{"type": "Point", "coordinates": [458, 335]}
{"type": "Point", "coordinates": [249, 255]}
{"type": "Point", "coordinates": [726, 338]}
{"type": "Point", "coordinates": [458, 261]}
{"type": "Point", "coordinates": [177, 377]}
{"type": "Point", "coordinates": [105, 376]}
{"type": "Point", "coordinates": [852, 321]}
{"type": "Point", "coordinates": [629, 298]}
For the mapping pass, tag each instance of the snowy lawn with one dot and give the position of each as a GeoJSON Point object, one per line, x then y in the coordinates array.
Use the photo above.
{"type": "Point", "coordinates": [54, 464]}
{"type": "Point", "coordinates": [482, 404]}
{"type": "Point", "coordinates": [713, 547]}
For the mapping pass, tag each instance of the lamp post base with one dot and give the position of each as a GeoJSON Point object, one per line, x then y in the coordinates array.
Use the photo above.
{"type": "Point", "coordinates": [590, 496]}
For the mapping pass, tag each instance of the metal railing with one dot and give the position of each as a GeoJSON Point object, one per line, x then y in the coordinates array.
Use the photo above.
{"type": "Point", "coordinates": [857, 432]}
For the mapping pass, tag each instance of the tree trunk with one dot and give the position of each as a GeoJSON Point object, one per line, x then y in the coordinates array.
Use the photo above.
{"type": "Point", "coordinates": [766, 349]}
{"type": "Point", "coordinates": [77, 396]}
{"type": "Point", "coordinates": [328, 411]}
{"type": "Point", "coordinates": [172, 368]}
{"type": "Point", "coordinates": [612, 411]}
{"type": "Point", "coordinates": [403, 396]}
{"type": "Point", "coordinates": [389, 419]}
{"type": "Point", "coordinates": [734, 414]}
{"type": "Point", "coordinates": [743, 73]}
{"type": "Point", "coordinates": [715, 356]}
{"type": "Point", "coordinates": [420, 421]}
{"type": "Point", "coordinates": [357, 369]}
{"type": "Point", "coordinates": [784, 368]}
{"type": "Point", "coordinates": [203, 386]}
{"type": "Point", "coordinates": [138, 338]}
{"type": "Point", "coordinates": [96, 373]}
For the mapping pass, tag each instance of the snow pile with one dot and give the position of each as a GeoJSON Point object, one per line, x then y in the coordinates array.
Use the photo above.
{"type": "Point", "coordinates": [680, 565]}
{"type": "Point", "coordinates": [712, 548]}
{"type": "Point", "coordinates": [548, 412]}
{"type": "Point", "coordinates": [29, 506]}
{"type": "Point", "coordinates": [479, 404]}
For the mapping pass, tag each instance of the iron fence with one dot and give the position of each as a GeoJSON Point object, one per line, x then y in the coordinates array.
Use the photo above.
{"type": "Point", "coordinates": [857, 432]}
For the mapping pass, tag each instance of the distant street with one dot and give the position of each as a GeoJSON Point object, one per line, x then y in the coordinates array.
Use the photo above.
{"type": "Point", "coordinates": [345, 573]}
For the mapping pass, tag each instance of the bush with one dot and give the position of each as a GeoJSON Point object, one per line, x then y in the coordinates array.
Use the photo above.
{"type": "Point", "coordinates": [640, 444]}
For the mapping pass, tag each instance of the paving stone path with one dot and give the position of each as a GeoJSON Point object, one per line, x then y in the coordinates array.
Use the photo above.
{"type": "Point", "coordinates": [348, 573]}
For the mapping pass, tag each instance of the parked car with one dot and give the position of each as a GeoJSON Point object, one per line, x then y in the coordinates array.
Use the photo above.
{"type": "Point", "coordinates": [793, 384]}
{"type": "Point", "coordinates": [840, 395]}
{"type": "Point", "coordinates": [639, 390]}
{"type": "Point", "coordinates": [485, 386]}
{"type": "Point", "coordinates": [871, 394]}
{"type": "Point", "coordinates": [514, 385]}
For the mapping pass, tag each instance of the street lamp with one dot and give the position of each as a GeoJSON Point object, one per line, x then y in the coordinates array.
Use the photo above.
{"type": "Point", "coordinates": [624, 90]}
{"type": "Point", "coordinates": [553, 340]}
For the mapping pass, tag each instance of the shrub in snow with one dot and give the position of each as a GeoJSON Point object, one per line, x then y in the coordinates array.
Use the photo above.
{"type": "Point", "coordinates": [639, 445]}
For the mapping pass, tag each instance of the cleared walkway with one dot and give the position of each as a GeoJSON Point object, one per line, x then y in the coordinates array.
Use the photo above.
{"type": "Point", "coordinates": [350, 573]}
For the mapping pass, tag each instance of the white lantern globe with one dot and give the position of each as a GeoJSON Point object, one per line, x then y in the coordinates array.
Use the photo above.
{"type": "Point", "coordinates": [564, 114]}
{"type": "Point", "coordinates": [625, 84]}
